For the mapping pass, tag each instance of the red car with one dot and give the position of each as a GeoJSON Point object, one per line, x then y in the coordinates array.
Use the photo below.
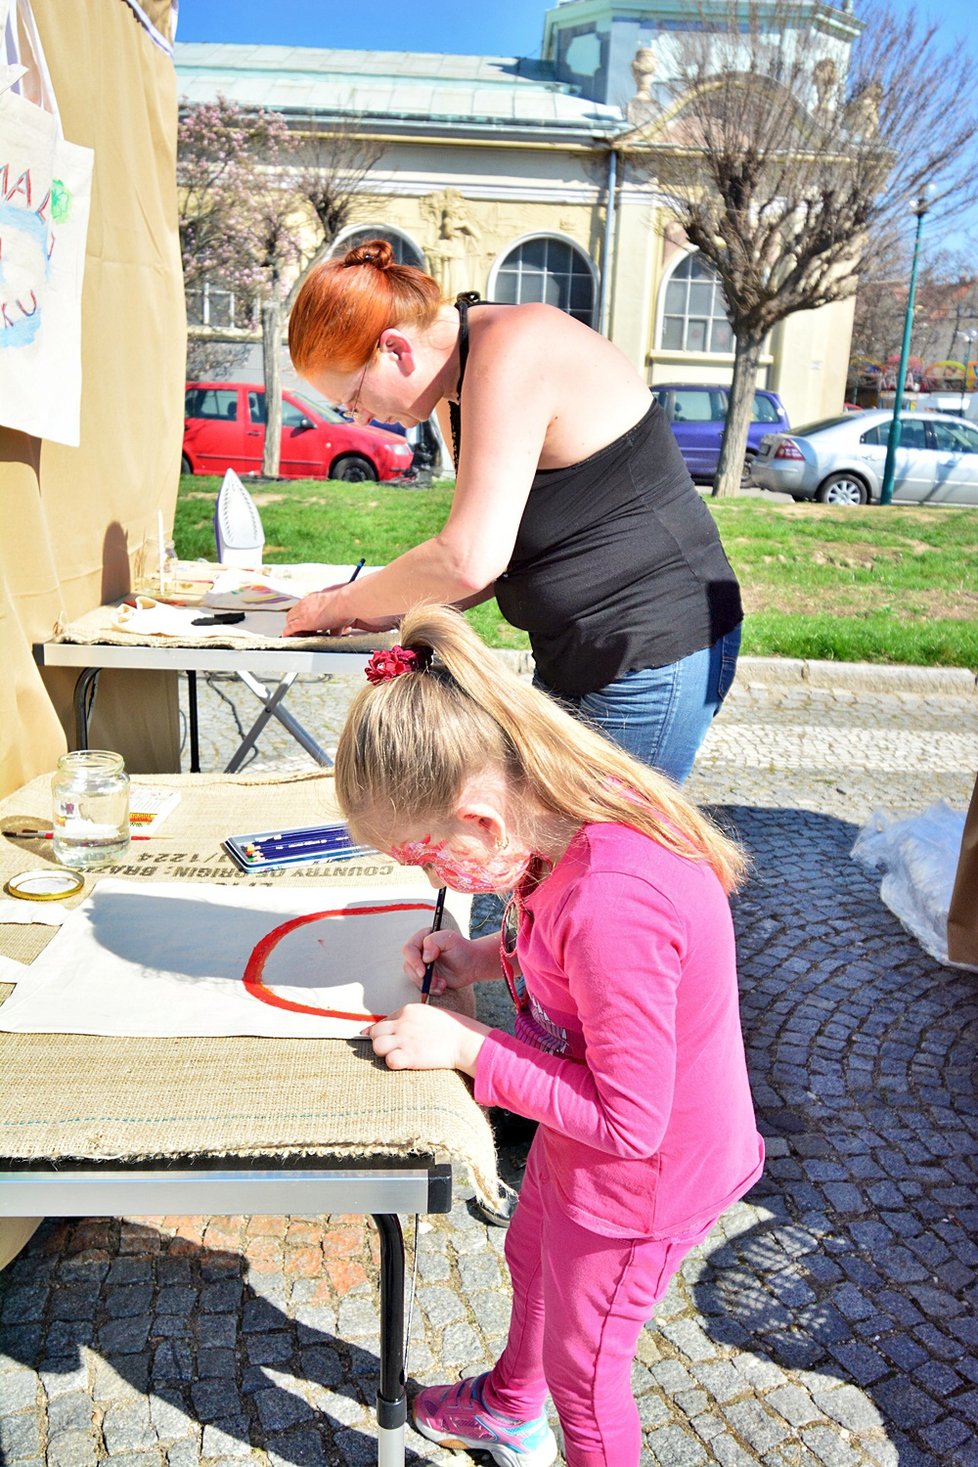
{"type": "Point", "coordinates": [224, 428]}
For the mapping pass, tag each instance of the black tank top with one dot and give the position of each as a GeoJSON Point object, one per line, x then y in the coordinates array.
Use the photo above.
{"type": "Point", "coordinates": [617, 565]}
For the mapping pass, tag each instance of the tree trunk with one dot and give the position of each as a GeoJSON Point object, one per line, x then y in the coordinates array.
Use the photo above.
{"type": "Point", "coordinates": [733, 450]}
{"type": "Point", "coordinates": [271, 355]}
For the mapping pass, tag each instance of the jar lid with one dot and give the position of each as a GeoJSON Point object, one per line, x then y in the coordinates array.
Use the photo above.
{"type": "Point", "coordinates": [44, 886]}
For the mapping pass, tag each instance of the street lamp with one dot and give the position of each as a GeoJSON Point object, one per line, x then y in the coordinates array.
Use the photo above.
{"type": "Point", "coordinates": [969, 338]}
{"type": "Point", "coordinates": [919, 207]}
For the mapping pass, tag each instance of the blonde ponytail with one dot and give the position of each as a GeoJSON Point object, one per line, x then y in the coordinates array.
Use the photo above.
{"type": "Point", "coordinates": [409, 745]}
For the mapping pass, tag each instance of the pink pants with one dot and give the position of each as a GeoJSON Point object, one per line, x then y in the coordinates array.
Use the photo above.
{"type": "Point", "coordinates": [579, 1302]}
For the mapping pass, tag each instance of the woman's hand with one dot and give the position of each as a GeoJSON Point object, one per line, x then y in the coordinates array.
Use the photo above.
{"type": "Point", "coordinates": [419, 1037]}
{"type": "Point", "coordinates": [320, 612]}
{"type": "Point", "coordinates": [458, 962]}
{"type": "Point", "coordinates": [317, 612]}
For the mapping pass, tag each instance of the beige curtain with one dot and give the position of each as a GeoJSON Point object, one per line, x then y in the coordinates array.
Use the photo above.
{"type": "Point", "coordinates": [74, 520]}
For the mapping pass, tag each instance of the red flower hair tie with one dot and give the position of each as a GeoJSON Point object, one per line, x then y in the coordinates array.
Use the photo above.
{"type": "Point", "coordinates": [392, 662]}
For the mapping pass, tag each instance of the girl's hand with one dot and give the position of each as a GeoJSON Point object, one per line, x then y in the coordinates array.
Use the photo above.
{"type": "Point", "coordinates": [418, 1037]}
{"type": "Point", "coordinates": [452, 954]}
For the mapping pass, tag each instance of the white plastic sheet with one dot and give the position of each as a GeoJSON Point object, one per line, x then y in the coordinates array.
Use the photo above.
{"type": "Point", "coordinates": [918, 856]}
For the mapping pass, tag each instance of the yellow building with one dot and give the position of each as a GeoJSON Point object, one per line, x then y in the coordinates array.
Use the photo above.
{"type": "Point", "coordinates": [533, 180]}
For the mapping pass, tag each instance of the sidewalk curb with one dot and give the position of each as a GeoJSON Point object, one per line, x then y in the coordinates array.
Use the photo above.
{"type": "Point", "coordinates": [866, 677]}
{"type": "Point", "coordinates": [955, 682]}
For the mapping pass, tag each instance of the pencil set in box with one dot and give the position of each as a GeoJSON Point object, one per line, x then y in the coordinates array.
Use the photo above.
{"type": "Point", "coordinates": [290, 847]}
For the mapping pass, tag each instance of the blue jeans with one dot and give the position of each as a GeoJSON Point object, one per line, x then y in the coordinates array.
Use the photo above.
{"type": "Point", "coordinates": [661, 714]}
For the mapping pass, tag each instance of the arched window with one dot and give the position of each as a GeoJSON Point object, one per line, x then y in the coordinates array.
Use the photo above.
{"type": "Point", "coordinates": [405, 253]}
{"type": "Point", "coordinates": [550, 270]}
{"type": "Point", "coordinates": [694, 315]}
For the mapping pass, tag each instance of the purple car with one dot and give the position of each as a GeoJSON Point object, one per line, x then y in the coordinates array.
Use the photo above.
{"type": "Point", "coordinates": [697, 414]}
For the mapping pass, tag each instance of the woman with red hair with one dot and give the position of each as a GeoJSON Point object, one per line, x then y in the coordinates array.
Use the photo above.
{"type": "Point", "coordinates": [572, 506]}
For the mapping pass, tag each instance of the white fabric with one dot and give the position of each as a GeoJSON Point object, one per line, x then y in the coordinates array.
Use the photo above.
{"type": "Point", "coordinates": [171, 958]}
{"type": "Point", "coordinates": [27, 914]}
{"type": "Point", "coordinates": [10, 970]}
{"type": "Point", "coordinates": [43, 227]}
{"type": "Point", "coordinates": [151, 618]}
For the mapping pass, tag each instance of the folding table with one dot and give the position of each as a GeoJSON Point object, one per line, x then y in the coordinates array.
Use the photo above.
{"type": "Point", "coordinates": [340, 656]}
{"type": "Point", "coordinates": [112, 1126]}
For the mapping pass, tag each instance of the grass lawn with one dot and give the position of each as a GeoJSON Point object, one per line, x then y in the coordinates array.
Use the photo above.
{"type": "Point", "coordinates": [893, 584]}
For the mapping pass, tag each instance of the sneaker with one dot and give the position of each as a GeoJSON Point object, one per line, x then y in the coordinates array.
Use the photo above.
{"type": "Point", "coordinates": [455, 1416]}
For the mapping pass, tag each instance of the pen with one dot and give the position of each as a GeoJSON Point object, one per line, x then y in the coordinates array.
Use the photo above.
{"type": "Point", "coordinates": [49, 835]}
{"type": "Point", "coordinates": [357, 569]}
{"type": "Point", "coordinates": [435, 924]}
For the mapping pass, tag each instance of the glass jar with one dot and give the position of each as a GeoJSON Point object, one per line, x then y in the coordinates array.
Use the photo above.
{"type": "Point", "coordinates": [91, 808]}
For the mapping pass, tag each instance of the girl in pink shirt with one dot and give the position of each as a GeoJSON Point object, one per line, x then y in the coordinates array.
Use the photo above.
{"type": "Point", "coordinates": [618, 948]}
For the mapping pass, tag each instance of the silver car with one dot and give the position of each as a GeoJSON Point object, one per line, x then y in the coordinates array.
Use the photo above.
{"type": "Point", "coordinates": [840, 460]}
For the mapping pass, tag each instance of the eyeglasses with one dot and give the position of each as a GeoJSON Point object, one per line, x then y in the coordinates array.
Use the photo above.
{"type": "Point", "coordinates": [354, 402]}
{"type": "Point", "coordinates": [353, 406]}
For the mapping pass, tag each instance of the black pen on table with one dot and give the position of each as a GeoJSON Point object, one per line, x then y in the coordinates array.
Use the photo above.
{"type": "Point", "coordinates": [429, 968]}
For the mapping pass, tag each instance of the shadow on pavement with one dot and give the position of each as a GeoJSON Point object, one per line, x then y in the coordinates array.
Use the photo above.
{"type": "Point", "coordinates": [179, 1325]}
{"type": "Point", "coordinates": [862, 1051]}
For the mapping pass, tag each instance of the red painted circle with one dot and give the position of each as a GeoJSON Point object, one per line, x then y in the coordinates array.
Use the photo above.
{"type": "Point", "coordinates": [254, 981]}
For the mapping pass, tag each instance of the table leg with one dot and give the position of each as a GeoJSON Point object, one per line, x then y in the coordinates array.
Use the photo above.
{"type": "Point", "coordinates": [273, 709]}
{"type": "Point", "coordinates": [391, 1397]}
{"type": "Point", "coordinates": [194, 726]}
{"type": "Point", "coordinates": [84, 699]}
{"type": "Point", "coordinates": [270, 702]}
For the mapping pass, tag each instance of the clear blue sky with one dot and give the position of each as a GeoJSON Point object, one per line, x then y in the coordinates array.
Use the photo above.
{"type": "Point", "coordinates": [507, 28]}
{"type": "Point", "coordinates": [504, 28]}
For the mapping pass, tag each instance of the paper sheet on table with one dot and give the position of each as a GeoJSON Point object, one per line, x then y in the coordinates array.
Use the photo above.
{"type": "Point", "coordinates": [174, 958]}
{"type": "Point", "coordinates": [275, 587]}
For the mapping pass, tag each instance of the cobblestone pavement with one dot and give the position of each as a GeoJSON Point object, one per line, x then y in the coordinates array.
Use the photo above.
{"type": "Point", "coordinates": [828, 1320]}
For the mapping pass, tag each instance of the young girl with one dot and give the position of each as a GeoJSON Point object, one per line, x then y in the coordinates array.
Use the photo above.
{"type": "Point", "coordinates": [619, 951]}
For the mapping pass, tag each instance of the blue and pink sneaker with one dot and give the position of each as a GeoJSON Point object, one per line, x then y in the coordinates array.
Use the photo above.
{"type": "Point", "coordinates": [455, 1416]}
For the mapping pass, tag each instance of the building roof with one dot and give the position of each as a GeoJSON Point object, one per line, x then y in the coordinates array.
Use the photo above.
{"type": "Point", "coordinates": [391, 88]}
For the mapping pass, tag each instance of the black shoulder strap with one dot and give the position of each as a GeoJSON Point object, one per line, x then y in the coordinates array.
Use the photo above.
{"type": "Point", "coordinates": [462, 303]}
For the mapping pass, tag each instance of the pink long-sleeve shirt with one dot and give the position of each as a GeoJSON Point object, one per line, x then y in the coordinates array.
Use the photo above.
{"type": "Point", "coordinates": [630, 1053]}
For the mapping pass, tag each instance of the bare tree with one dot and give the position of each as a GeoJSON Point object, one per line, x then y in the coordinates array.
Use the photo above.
{"type": "Point", "coordinates": [260, 205]}
{"type": "Point", "coordinates": [296, 220]}
{"type": "Point", "coordinates": [790, 157]}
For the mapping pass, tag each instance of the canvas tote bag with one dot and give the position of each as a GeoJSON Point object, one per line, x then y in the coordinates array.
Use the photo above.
{"type": "Point", "coordinates": [45, 196]}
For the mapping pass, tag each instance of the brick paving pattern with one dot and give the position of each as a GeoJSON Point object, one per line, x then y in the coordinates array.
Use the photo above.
{"type": "Point", "coordinates": [828, 1321]}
